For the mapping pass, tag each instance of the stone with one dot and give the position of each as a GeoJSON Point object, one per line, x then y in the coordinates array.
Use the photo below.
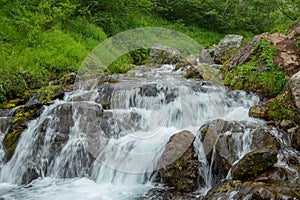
{"type": "Point", "coordinates": [160, 54]}
{"type": "Point", "coordinates": [286, 124]}
{"type": "Point", "coordinates": [206, 56]}
{"type": "Point", "coordinates": [260, 111]}
{"type": "Point", "coordinates": [60, 94]}
{"type": "Point", "coordinates": [243, 54]}
{"type": "Point", "coordinates": [178, 165]}
{"type": "Point", "coordinates": [192, 72]}
{"type": "Point", "coordinates": [253, 164]}
{"type": "Point", "coordinates": [294, 87]}
{"type": "Point", "coordinates": [263, 137]}
{"type": "Point", "coordinates": [226, 47]}
{"type": "Point", "coordinates": [189, 61]}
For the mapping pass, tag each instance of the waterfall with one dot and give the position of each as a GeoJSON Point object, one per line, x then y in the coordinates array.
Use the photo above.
{"type": "Point", "coordinates": [78, 147]}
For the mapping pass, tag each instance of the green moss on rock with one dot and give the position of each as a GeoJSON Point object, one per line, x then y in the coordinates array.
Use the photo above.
{"type": "Point", "coordinates": [10, 142]}
{"type": "Point", "coordinates": [45, 93]}
{"type": "Point", "coordinates": [254, 163]}
{"type": "Point", "coordinates": [20, 116]}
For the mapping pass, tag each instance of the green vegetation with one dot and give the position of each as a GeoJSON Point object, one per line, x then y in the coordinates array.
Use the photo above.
{"type": "Point", "coordinates": [281, 108]}
{"type": "Point", "coordinates": [44, 94]}
{"type": "Point", "coordinates": [260, 74]}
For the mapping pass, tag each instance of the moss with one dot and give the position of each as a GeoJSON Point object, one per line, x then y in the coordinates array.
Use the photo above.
{"type": "Point", "coordinates": [20, 117]}
{"type": "Point", "coordinates": [10, 142]}
{"type": "Point", "coordinates": [45, 93]}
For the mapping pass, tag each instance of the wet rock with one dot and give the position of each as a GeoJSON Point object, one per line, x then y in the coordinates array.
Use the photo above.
{"type": "Point", "coordinates": [234, 189]}
{"type": "Point", "coordinates": [254, 164]}
{"type": "Point", "coordinates": [54, 133]}
{"type": "Point", "coordinates": [226, 47]}
{"type": "Point", "coordinates": [295, 137]}
{"type": "Point", "coordinates": [19, 118]}
{"type": "Point", "coordinates": [193, 72]}
{"type": "Point", "coordinates": [219, 136]}
{"type": "Point", "coordinates": [260, 111]}
{"type": "Point", "coordinates": [164, 55]}
{"type": "Point", "coordinates": [188, 61]}
{"type": "Point", "coordinates": [104, 98]}
{"type": "Point", "coordinates": [178, 166]}
{"type": "Point", "coordinates": [33, 102]}
{"type": "Point", "coordinates": [60, 94]}
{"type": "Point", "coordinates": [275, 173]}
{"type": "Point", "coordinates": [263, 137]}
{"type": "Point", "coordinates": [29, 176]}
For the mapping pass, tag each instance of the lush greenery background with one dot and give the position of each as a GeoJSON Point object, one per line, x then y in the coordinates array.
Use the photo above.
{"type": "Point", "coordinates": [41, 40]}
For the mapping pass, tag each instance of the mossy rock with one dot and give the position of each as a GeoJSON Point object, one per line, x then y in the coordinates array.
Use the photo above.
{"type": "Point", "coordinates": [44, 94]}
{"type": "Point", "coordinates": [254, 163]}
{"type": "Point", "coordinates": [10, 142]}
{"type": "Point", "coordinates": [193, 72]}
{"type": "Point", "coordinates": [19, 118]}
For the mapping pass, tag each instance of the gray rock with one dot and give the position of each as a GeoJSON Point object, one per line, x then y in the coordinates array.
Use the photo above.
{"type": "Point", "coordinates": [226, 47]}
{"type": "Point", "coordinates": [206, 56]}
{"type": "Point", "coordinates": [164, 55]}
{"type": "Point", "coordinates": [294, 86]}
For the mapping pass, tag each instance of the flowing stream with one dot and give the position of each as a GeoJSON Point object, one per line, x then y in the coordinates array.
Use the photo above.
{"type": "Point", "coordinates": [79, 149]}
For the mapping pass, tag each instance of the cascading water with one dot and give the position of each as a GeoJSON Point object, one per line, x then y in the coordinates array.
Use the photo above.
{"type": "Point", "coordinates": [81, 151]}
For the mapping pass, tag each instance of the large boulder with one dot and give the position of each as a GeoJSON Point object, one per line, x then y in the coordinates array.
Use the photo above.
{"type": "Point", "coordinates": [160, 54]}
{"type": "Point", "coordinates": [254, 163]}
{"type": "Point", "coordinates": [178, 166]}
{"type": "Point", "coordinates": [226, 47]}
